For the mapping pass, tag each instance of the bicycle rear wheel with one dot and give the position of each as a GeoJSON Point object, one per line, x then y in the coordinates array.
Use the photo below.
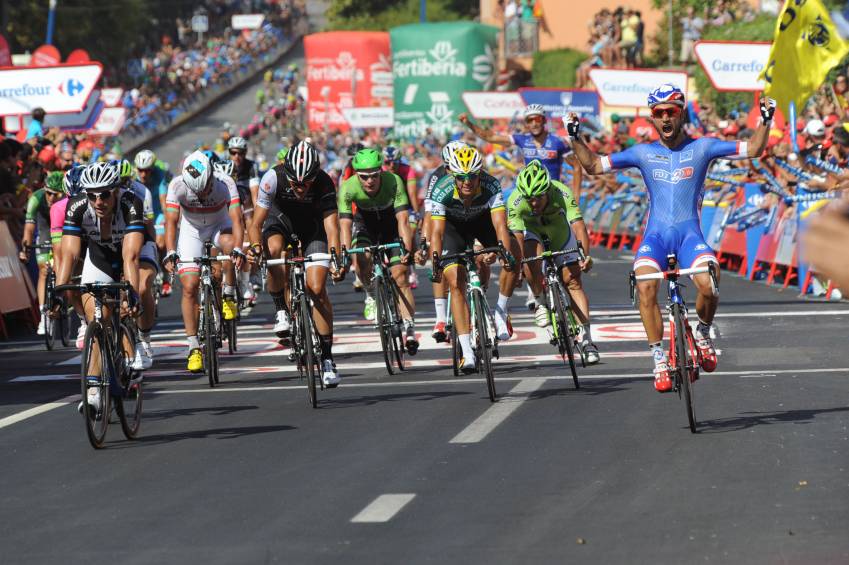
{"type": "Point", "coordinates": [95, 364]}
{"type": "Point", "coordinates": [230, 328]}
{"type": "Point", "coordinates": [309, 348]}
{"type": "Point", "coordinates": [483, 345]}
{"type": "Point", "coordinates": [129, 404]}
{"type": "Point", "coordinates": [209, 345]}
{"type": "Point", "coordinates": [383, 324]}
{"type": "Point", "coordinates": [684, 364]}
{"type": "Point", "coordinates": [564, 337]}
{"type": "Point", "coordinates": [66, 322]}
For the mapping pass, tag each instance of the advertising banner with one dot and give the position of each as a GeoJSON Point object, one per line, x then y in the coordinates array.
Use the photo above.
{"type": "Point", "coordinates": [77, 121]}
{"type": "Point", "coordinates": [631, 87]}
{"type": "Point", "coordinates": [377, 117]}
{"type": "Point", "coordinates": [5, 53]}
{"type": "Point", "coordinates": [432, 64]}
{"type": "Point", "coordinates": [111, 96]}
{"type": "Point", "coordinates": [59, 90]}
{"type": "Point", "coordinates": [46, 56]}
{"type": "Point", "coordinates": [558, 102]}
{"type": "Point", "coordinates": [15, 286]}
{"type": "Point", "coordinates": [733, 65]}
{"type": "Point", "coordinates": [493, 105]}
{"type": "Point", "coordinates": [346, 69]}
{"type": "Point", "coordinates": [247, 21]}
{"type": "Point", "coordinates": [109, 122]}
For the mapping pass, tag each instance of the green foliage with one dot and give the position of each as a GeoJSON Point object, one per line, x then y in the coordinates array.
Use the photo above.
{"type": "Point", "coordinates": [556, 68]}
{"type": "Point", "coordinates": [381, 15]}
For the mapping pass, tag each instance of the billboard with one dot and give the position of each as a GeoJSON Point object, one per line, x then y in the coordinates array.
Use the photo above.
{"type": "Point", "coordinates": [61, 89]}
{"type": "Point", "coordinates": [631, 87]}
{"type": "Point", "coordinates": [558, 102]}
{"type": "Point", "coordinates": [433, 64]}
{"type": "Point", "coordinates": [346, 69]}
{"type": "Point", "coordinates": [733, 65]}
{"type": "Point", "coordinates": [493, 105]}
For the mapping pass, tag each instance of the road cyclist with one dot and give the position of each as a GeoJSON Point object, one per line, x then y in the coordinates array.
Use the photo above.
{"type": "Point", "coordinates": [154, 175]}
{"type": "Point", "coordinates": [246, 174]}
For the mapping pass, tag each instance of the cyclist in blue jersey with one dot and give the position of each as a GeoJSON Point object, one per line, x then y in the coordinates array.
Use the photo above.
{"type": "Point", "coordinates": [673, 169]}
{"type": "Point", "coordinates": [154, 174]}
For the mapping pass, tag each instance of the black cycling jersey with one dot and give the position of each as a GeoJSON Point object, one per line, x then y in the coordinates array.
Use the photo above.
{"type": "Point", "coordinates": [290, 214]}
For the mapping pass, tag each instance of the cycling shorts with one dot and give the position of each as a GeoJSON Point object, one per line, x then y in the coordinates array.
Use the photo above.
{"type": "Point", "coordinates": [560, 260]}
{"type": "Point", "coordinates": [310, 234]}
{"type": "Point", "coordinates": [191, 239]}
{"type": "Point", "coordinates": [685, 240]}
{"type": "Point", "coordinates": [377, 229]}
{"type": "Point", "coordinates": [460, 236]}
{"type": "Point", "coordinates": [150, 255]}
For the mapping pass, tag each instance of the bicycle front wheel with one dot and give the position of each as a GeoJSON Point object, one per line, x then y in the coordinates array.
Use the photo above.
{"type": "Point", "coordinates": [383, 323]}
{"type": "Point", "coordinates": [65, 325]}
{"type": "Point", "coordinates": [564, 337]}
{"type": "Point", "coordinates": [309, 360]}
{"type": "Point", "coordinates": [483, 344]}
{"type": "Point", "coordinates": [209, 345]}
{"type": "Point", "coordinates": [397, 325]}
{"type": "Point", "coordinates": [94, 378]}
{"type": "Point", "coordinates": [49, 331]}
{"type": "Point", "coordinates": [685, 363]}
{"type": "Point", "coordinates": [129, 404]}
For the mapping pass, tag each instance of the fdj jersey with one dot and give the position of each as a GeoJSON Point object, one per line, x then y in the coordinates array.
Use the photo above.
{"type": "Point", "coordinates": [675, 181]}
{"type": "Point", "coordinates": [550, 153]}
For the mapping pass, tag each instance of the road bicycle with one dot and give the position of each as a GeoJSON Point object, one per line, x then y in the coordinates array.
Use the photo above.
{"type": "Point", "coordinates": [59, 324]}
{"type": "Point", "coordinates": [684, 356]}
{"type": "Point", "coordinates": [387, 297]}
{"type": "Point", "coordinates": [481, 323]}
{"type": "Point", "coordinates": [106, 371]}
{"type": "Point", "coordinates": [564, 325]}
{"type": "Point", "coordinates": [305, 341]}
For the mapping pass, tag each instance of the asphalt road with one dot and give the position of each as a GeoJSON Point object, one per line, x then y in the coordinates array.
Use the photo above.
{"type": "Point", "coordinates": [422, 468]}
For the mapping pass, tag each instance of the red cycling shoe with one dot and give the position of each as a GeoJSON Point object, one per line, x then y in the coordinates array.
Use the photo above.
{"type": "Point", "coordinates": [707, 354]}
{"type": "Point", "coordinates": [662, 380]}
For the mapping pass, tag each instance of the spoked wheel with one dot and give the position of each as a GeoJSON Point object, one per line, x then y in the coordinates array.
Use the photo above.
{"type": "Point", "coordinates": [209, 345]}
{"type": "Point", "coordinates": [483, 345]}
{"type": "Point", "coordinates": [309, 360]}
{"type": "Point", "coordinates": [129, 404]}
{"type": "Point", "coordinates": [684, 365]}
{"type": "Point", "coordinates": [66, 325]}
{"type": "Point", "coordinates": [574, 332]}
{"type": "Point", "coordinates": [384, 326]}
{"type": "Point", "coordinates": [564, 337]}
{"type": "Point", "coordinates": [230, 328]}
{"type": "Point", "coordinates": [94, 378]}
{"type": "Point", "coordinates": [50, 330]}
{"type": "Point", "coordinates": [455, 350]}
{"type": "Point", "coordinates": [398, 347]}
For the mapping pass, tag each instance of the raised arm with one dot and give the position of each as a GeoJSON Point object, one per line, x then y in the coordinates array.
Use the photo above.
{"type": "Point", "coordinates": [757, 143]}
{"type": "Point", "coordinates": [484, 133]}
{"type": "Point", "coordinates": [590, 161]}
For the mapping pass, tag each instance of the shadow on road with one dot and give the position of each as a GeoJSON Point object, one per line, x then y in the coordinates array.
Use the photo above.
{"type": "Point", "coordinates": [212, 410]}
{"type": "Point", "coordinates": [216, 433]}
{"type": "Point", "coordinates": [332, 403]}
{"type": "Point", "coordinates": [751, 419]}
{"type": "Point", "coordinates": [593, 388]}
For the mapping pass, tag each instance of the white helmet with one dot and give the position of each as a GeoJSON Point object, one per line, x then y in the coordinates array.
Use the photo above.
{"type": "Point", "coordinates": [196, 171]}
{"type": "Point", "coordinates": [145, 159]}
{"type": "Point", "coordinates": [815, 128]}
{"type": "Point", "coordinates": [226, 168]}
{"type": "Point", "coordinates": [100, 175]}
{"type": "Point", "coordinates": [533, 110]}
{"type": "Point", "coordinates": [449, 149]}
{"type": "Point", "coordinates": [237, 142]}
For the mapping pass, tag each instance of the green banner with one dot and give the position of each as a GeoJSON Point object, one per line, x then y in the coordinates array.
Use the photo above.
{"type": "Point", "coordinates": [432, 64]}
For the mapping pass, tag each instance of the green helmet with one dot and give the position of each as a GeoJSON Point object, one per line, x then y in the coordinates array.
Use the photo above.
{"type": "Point", "coordinates": [533, 180]}
{"type": "Point", "coordinates": [55, 181]}
{"type": "Point", "coordinates": [281, 155]}
{"type": "Point", "coordinates": [367, 158]}
{"type": "Point", "coordinates": [126, 169]}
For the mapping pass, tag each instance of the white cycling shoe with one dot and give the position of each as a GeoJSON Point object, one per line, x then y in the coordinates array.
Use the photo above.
{"type": "Point", "coordinates": [329, 375]}
{"type": "Point", "coordinates": [144, 357]}
{"type": "Point", "coordinates": [281, 327]}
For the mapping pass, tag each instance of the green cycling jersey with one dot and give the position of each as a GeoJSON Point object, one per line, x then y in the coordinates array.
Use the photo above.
{"type": "Point", "coordinates": [553, 223]}
{"type": "Point", "coordinates": [391, 197]}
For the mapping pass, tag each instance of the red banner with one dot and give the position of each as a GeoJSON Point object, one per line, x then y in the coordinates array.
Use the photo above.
{"type": "Point", "coordinates": [346, 69]}
{"type": "Point", "coordinates": [5, 53]}
{"type": "Point", "coordinates": [78, 57]}
{"type": "Point", "coordinates": [46, 56]}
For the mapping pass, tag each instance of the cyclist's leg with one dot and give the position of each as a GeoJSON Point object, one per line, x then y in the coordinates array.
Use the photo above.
{"type": "Point", "coordinates": [322, 310]}
{"type": "Point", "coordinates": [533, 271]}
{"type": "Point", "coordinates": [148, 267]}
{"type": "Point", "coordinates": [362, 236]}
{"type": "Point", "coordinates": [440, 302]}
{"type": "Point", "coordinates": [651, 258]}
{"type": "Point", "coordinates": [274, 238]}
{"type": "Point", "coordinates": [97, 268]}
{"type": "Point", "coordinates": [189, 245]}
{"type": "Point", "coordinates": [455, 277]}
{"type": "Point", "coordinates": [695, 252]}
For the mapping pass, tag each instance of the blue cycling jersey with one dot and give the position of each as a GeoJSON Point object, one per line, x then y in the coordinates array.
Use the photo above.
{"type": "Point", "coordinates": [675, 182]}
{"type": "Point", "coordinates": [158, 184]}
{"type": "Point", "coordinates": [550, 153]}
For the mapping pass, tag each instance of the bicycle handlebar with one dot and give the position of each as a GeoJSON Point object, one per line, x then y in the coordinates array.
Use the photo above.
{"type": "Point", "coordinates": [470, 254]}
{"type": "Point", "coordinates": [548, 254]}
{"type": "Point", "coordinates": [40, 246]}
{"type": "Point", "coordinates": [311, 258]}
{"type": "Point", "coordinates": [676, 272]}
{"type": "Point", "coordinates": [204, 259]}
{"type": "Point", "coordinates": [93, 287]}
{"type": "Point", "coordinates": [375, 248]}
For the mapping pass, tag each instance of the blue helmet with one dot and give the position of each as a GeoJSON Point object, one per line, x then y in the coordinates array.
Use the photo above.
{"type": "Point", "coordinates": [666, 94]}
{"type": "Point", "coordinates": [212, 156]}
{"type": "Point", "coordinates": [72, 180]}
{"type": "Point", "coordinates": [391, 153]}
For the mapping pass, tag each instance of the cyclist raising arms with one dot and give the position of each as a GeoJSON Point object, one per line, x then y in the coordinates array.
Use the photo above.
{"type": "Point", "coordinates": [381, 217]}
{"type": "Point", "coordinates": [469, 206]}
{"type": "Point", "coordinates": [541, 208]}
{"type": "Point", "coordinates": [207, 207]}
{"type": "Point", "coordinates": [673, 169]}
{"type": "Point", "coordinates": [298, 199]}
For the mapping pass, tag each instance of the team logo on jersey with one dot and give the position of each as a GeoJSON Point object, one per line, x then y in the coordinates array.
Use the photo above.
{"type": "Point", "coordinates": [656, 158]}
{"type": "Point", "coordinates": [685, 156]}
{"type": "Point", "coordinates": [674, 176]}
{"type": "Point", "coordinates": [701, 247]}
{"type": "Point", "coordinates": [645, 249]}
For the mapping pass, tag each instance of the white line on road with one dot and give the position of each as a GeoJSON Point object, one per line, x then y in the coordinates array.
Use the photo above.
{"type": "Point", "coordinates": [498, 412]}
{"type": "Point", "coordinates": [382, 509]}
{"type": "Point", "coordinates": [36, 410]}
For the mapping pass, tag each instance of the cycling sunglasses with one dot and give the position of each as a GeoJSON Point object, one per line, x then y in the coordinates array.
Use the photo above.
{"type": "Point", "coordinates": [237, 152]}
{"type": "Point", "coordinates": [100, 194]}
{"type": "Point", "coordinates": [466, 176]}
{"type": "Point", "coordinates": [535, 120]}
{"type": "Point", "coordinates": [673, 111]}
{"type": "Point", "coordinates": [369, 176]}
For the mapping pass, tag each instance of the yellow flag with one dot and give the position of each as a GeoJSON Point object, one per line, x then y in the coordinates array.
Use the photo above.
{"type": "Point", "coordinates": [805, 47]}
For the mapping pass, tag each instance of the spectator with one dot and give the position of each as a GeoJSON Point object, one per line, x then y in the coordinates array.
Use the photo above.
{"type": "Point", "coordinates": [691, 32]}
{"type": "Point", "coordinates": [629, 37]}
{"type": "Point", "coordinates": [36, 126]}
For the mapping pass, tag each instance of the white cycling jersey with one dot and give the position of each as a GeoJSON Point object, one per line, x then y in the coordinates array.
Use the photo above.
{"type": "Point", "coordinates": [213, 210]}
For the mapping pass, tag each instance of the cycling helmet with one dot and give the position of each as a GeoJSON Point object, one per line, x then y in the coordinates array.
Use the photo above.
{"type": "Point", "coordinates": [71, 181]}
{"type": "Point", "coordinates": [54, 182]}
{"type": "Point", "coordinates": [533, 180]}
{"type": "Point", "coordinates": [239, 143]}
{"type": "Point", "coordinates": [225, 167]}
{"type": "Point", "coordinates": [212, 156]}
{"type": "Point", "coordinates": [355, 148]}
{"type": "Point", "coordinates": [197, 170]}
{"type": "Point", "coordinates": [391, 153]}
{"type": "Point", "coordinates": [99, 176]}
{"type": "Point", "coordinates": [145, 159]}
{"type": "Point", "coordinates": [465, 160]}
{"type": "Point", "coordinates": [125, 169]}
{"type": "Point", "coordinates": [367, 158]}
{"type": "Point", "coordinates": [301, 162]}
{"type": "Point", "coordinates": [666, 94]}
{"type": "Point", "coordinates": [449, 148]}
{"type": "Point", "coordinates": [281, 155]}
{"type": "Point", "coordinates": [533, 110]}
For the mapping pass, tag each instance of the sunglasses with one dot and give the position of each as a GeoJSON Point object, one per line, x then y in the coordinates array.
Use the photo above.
{"type": "Point", "coordinates": [673, 111]}
{"type": "Point", "coordinates": [295, 182]}
{"type": "Point", "coordinates": [52, 192]}
{"type": "Point", "coordinates": [535, 120]}
{"type": "Point", "coordinates": [237, 152]}
{"type": "Point", "coordinates": [466, 176]}
{"type": "Point", "coordinates": [100, 195]}
{"type": "Point", "coordinates": [369, 176]}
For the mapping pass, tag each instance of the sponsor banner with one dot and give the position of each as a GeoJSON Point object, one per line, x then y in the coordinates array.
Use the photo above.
{"type": "Point", "coordinates": [15, 286]}
{"type": "Point", "coordinates": [77, 121]}
{"type": "Point", "coordinates": [754, 200]}
{"type": "Point", "coordinates": [5, 53]}
{"type": "Point", "coordinates": [59, 90]}
{"type": "Point", "coordinates": [432, 64]}
{"type": "Point", "coordinates": [375, 117]}
{"type": "Point", "coordinates": [559, 102]}
{"type": "Point", "coordinates": [110, 122]}
{"type": "Point", "coordinates": [733, 65]}
{"type": "Point", "coordinates": [46, 56]}
{"type": "Point", "coordinates": [346, 69]}
{"type": "Point", "coordinates": [493, 105]}
{"type": "Point", "coordinates": [111, 97]}
{"type": "Point", "coordinates": [631, 87]}
{"type": "Point", "coordinates": [246, 21]}
{"type": "Point", "coordinates": [200, 23]}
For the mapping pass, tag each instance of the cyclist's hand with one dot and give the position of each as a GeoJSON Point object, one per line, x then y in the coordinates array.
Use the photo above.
{"type": "Point", "coordinates": [586, 264]}
{"type": "Point", "coordinates": [170, 260]}
{"type": "Point", "coordinates": [767, 108]}
{"type": "Point", "coordinates": [338, 274]}
{"type": "Point", "coordinates": [573, 124]}
{"type": "Point", "coordinates": [489, 258]}
{"type": "Point", "coordinates": [421, 256]}
{"type": "Point", "coordinates": [23, 255]}
{"type": "Point", "coordinates": [413, 218]}
{"type": "Point", "coordinates": [435, 276]}
{"type": "Point", "coordinates": [464, 118]}
{"type": "Point", "coordinates": [508, 262]}
{"type": "Point", "coordinates": [254, 253]}
{"type": "Point", "coordinates": [238, 257]}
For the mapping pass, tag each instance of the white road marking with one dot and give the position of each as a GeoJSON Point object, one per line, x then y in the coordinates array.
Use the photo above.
{"type": "Point", "coordinates": [382, 509]}
{"type": "Point", "coordinates": [36, 410]}
{"type": "Point", "coordinates": [498, 412]}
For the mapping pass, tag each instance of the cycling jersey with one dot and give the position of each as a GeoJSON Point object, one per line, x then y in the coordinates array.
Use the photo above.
{"type": "Point", "coordinates": [57, 219]}
{"type": "Point", "coordinates": [448, 205]}
{"type": "Point", "coordinates": [38, 213]}
{"type": "Point", "coordinates": [675, 182]}
{"type": "Point", "coordinates": [144, 194]}
{"type": "Point", "coordinates": [435, 175]}
{"type": "Point", "coordinates": [247, 177]}
{"type": "Point", "coordinates": [550, 153]}
{"type": "Point", "coordinates": [375, 220]}
{"type": "Point", "coordinates": [157, 184]}
{"type": "Point", "coordinates": [552, 223]}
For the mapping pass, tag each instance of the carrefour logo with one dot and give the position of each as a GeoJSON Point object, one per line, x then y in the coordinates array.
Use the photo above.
{"type": "Point", "coordinates": [74, 87]}
{"type": "Point", "coordinates": [673, 177]}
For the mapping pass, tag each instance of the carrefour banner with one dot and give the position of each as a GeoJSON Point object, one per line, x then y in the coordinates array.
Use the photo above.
{"type": "Point", "coordinates": [559, 102]}
{"type": "Point", "coordinates": [433, 64]}
{"type": "Point", "coordinates": [346, 69]}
